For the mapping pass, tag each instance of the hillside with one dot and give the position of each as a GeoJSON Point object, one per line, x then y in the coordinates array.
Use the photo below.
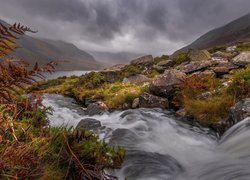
{"type": "Point", "coordinates": [235, 31]}
{"type": "Point", "coordinates": [43, 50]}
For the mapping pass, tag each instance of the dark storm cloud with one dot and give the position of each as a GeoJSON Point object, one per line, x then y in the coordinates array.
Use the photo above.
{"type": "Point", "coordinates": [130, 25]}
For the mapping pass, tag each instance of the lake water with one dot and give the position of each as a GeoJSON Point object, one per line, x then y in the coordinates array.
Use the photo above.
{"type": "Point", "coordinates": [57, 74]}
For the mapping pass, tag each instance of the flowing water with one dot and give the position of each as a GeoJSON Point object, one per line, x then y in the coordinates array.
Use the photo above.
{"type": "Point", "coordinates": [160, 146]}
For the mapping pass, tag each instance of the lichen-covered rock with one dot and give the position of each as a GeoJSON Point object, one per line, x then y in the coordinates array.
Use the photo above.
{"type": "Point", "coordinates": [242, 59]}
{"type": "Point", "coordinates": [136, 79]}
{"type": "Point", "coordinates": [147, 100]}
{"type": "Point", "coordinates": [199, 55]}
{"type": "Point", "coordinates": [96, 108]}
{"type": "Point", "coordinates": [166, 84]}
{"type": "Point", "coordinates": [240, 110]}
{"type": "Point", "coordinates": [194, 66]}
{"type": "Point", "coordinates": [144, 60]}
{"type": "Point", "coordinates": [135, 103]}
{"type": "Point", "coordinates": [113, 74]}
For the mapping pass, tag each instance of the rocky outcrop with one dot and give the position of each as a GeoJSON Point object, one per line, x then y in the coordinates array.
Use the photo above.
{"type": "Point", "coordinates": [89, 123]}
{"type": "Point", "coordinates": [147, 100]}
{"type": "Point", "coordinates": [163, 65]}
{"type": "Point", "coordinates": [96, 108]}
{"type": "Point", "coordinates": [144, 60]}
{"type": "Point", "coordinates": [113, 74]}
{"type": "Point", "coordinates": [137, 79]}
{"type": "Point", "coordinates": [242, 59]}
{"type": "Point", "coordinates": [240, 110]}
{"type": "Point", "coordinates": [199, 55]}
{"type": "Point", "coordinates": [166, 84]}
{"type": "Point", "coordinates": [194, 66]}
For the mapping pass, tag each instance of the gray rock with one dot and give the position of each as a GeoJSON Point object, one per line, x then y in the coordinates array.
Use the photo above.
{"type": "Point", "coordinates": [113, 74]}
{"type": "Point", "coordinates": [199, 55]}
{"type": "Point", "coordinates": [195, 66]}
{"type": "Point", "coordinates": [96, 108]}
{"type": "Point", "coordinates": [147, 100]}
{"type": "Point", "coordinates": [206, 73]}
{"type": "Point", "coordinates": [240, 110]}
{"type": "Point", "coordinates": [165, 84]}
{"type": "Point", "coordinates": [181, 112]}
{"type": "Point", "coordinates": [242, 59]}
{"type": "Point", "coordinates": [135, 103]}
{"type": "Point", "coordinates": [224, 67]}
{"type": "Point", "coordinates": [222, 55]}
{"type": "Point", "coordinates": [166, 63]}
{"type": "Point", "coordinates": [231, 49]}
{"type": "Point", "coordinates": [89, 123]}
{"type": "Point", "coordinates": [144, 60]}
{"type": "Point", "coordinates": [136, 79]}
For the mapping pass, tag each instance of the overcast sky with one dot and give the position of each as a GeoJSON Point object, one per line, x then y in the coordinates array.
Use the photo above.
{"type": "Point", "coordinates": [141, 26]}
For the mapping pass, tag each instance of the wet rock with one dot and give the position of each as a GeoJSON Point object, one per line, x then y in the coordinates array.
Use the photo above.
{"type": "Point", "coordinates": [124, 138]}
{"type": "Point", "coordinates": [135, 103]}
{"type": "Point", "coordinates": [89, 123]}
{"type": "Point", "coordinates": [96, 108]}
{"type": "Point", "coordinates": [144, 60]}
{"type": "Point", "coordinates": [242, 59]}
{"type": "Point", "coordinates": [166, 84]}
{"type": "Point", "coordinates": [181, 112]}
{"type": "Point", "coordinates": [199, 55]}
{"type": "Point", "coordinates": [113, 74]}
{"type": "Point", "coordinates": [147, 100]}
{"type": "Point", "coordinates": [194, 66]}
{"type": "Point", "coordinates": [136, 79]}
{"type": "Point", "coordinates": [240, 110]}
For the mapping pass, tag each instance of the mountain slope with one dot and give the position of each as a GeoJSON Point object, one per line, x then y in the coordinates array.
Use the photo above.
{"type": "Point", "coordinates": [42, 51]}
{"type": "Point", "coordinates": [236, 31]}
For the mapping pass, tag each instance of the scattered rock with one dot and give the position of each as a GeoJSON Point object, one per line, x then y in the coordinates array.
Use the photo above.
{"type": "Point", "coordinates": [136, 79]}
{"type": "Point", "coordinates": [147, 100]}
{"type": "Point", "coordinates": [96, 108]}
{"type": "Point", "coordinates": [166, 63]}
{"type": "Point", "coordinates": [199, 55]}
{"type": "Point", "coordinates": [231, 49]}
{"type": "Point", "coordinates": [135, 103]}
{"type": "Point", "coordinates": [181, 112]}
{"type": "Point", "coordinates": [113, 74]}
{"type": "Point", "coordinates": [126, 106]}
{"type": "Point", "coordinates": [89, 123]}
{"type": "Point", "coordinates": [165, 84]}
{"type": "Point", "coordinates": [206, 73]}
{"type": "Point", "coordinates": [145, 60]}
{"type": "Point", "coordinates": [194, 66]}
{"type": "Point", "coordinates": [160, 69]}
{"type": "Point", "coordinates": [242, 59]}
{"type": "Point", "coordinates": [224, 67]}
{"type": "Point", "coordinates": [240, 110]}
{"type": "Point", "coordinates": [221, 55]}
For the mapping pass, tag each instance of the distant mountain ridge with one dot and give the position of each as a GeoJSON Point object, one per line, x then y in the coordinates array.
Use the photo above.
{"type": "Point", "coordinates": [233, 32]}
{"type": "Point", "coordinates": [43, 50]}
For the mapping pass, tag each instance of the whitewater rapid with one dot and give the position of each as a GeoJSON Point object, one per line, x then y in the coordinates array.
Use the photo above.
{"type": "Point", "coordinates": [161, 146]}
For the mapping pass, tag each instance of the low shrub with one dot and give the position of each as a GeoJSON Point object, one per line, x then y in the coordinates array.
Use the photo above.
{"type": "Point", "coordinates": [217, 48]}
{"type": "Point", "coordinates": [91, 80]}
{"type": "Point", "coordinates": [161, 58]}
{"type": "Point", "coordinates": [180, 57]}
{"type": "Point", "coordinates": [131, 70]}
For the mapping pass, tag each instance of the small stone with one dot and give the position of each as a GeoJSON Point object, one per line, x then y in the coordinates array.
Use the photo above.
{"type": "Point", "coordinates": [135, 103]}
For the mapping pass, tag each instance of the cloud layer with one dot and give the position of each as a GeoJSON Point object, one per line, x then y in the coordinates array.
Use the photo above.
{"type": "Point", "coordinates": [141, 26]}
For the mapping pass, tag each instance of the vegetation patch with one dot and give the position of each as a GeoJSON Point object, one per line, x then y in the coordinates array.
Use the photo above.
{"type": "Point", "coordinates": [180, 57]}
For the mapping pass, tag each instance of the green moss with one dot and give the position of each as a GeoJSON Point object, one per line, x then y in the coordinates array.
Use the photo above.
{"type": "Point", "coordinates": [180, 57]}
{"type": "Point", "coordinates": [217, 48]}
{"type": "Point", "coordinates": [161, 58]}
{"type": "Point", "coordinates": [243, 47]}
{"type": "Point", "coordinates": [131, 70]}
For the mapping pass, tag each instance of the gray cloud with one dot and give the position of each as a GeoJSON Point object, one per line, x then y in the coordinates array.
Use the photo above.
{"type": "Point", "coordinates": [143, 26]}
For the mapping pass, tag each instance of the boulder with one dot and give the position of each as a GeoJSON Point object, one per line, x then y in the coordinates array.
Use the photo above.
{"type": "Point", "coordinates": [194, 66]}
{"type": "Point", "coordinates": [231, 49]}
{"type": "Point", "coordinates": [96, 108]}
{"type": "Point", "coordinates": [147, 100]}
{"type": "Point", "coordinates": [113, 74]}
{"type": "Point", "coordinates": [89, 123]}
{"type": "Point", "coordinates": [205, 73]}
{"type": "Point", "coordinates": [144, 60]}
{"type": "Point", "coordinates": [240, 110]}
{"type": "Point", "coordinates": [136, 79]}
{"type": "Point", "coordinates": [135, 103]}
{"type": "Point", "coordinates": [165, 84]}
{"type": "Point", "coordinates": [221, 55]}
{"type": "Point", "coordinates": [199, 55]}
{"type": "Point", "coordinates": [242, 59]}
{"type": "Point", "coordinates": [166, 63]}
{"type": "Point", "coordinates": [224, 67]}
